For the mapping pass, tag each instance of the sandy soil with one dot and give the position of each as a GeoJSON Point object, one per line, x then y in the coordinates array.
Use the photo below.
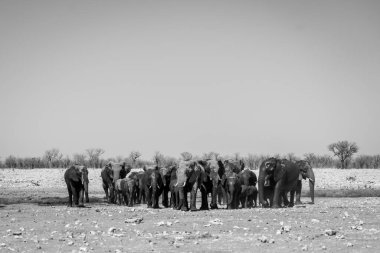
{"type": "Point", "coordinates": [34, 218]}
{"type": "Point", "coordinates": [335, 225]}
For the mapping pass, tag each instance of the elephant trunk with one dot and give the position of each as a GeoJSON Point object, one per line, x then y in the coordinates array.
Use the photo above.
{"type": "Point", "coordinates": [154, 190]}
{"type": "Point", "coordinates": [86, 191]}
{"type": "Point", "coordinates": [261, 183]}
{"type": "Point", "coordinates": [230, 193]}
{"type": "Point", "coordinates": [311, 185]}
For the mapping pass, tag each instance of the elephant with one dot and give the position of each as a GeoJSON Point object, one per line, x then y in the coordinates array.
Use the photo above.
{"type": "Point", "coordinates": [154, 185]}
{"type": "Point", "coordinates": [283, 174]}
{"type": "Point", "coordinates": [248, 195]}
{"type": "Point", "coordinates": [110, 174]}
{"type": "Point", "coordinates": [76, 178]}
{"type": "Point", "coordinates": [215, 170]}
{"type": "Point", "coordinates": [174, 193]}
{"type": "Point", "coordinates": [268, 190]}
{"type": "Point", "coordinates": [231, 182]}
{"type": "Point", "coordinates": [191, 175]}
{"type": "Point", "coordinates": [166, 174]}
{"type": "Point", "coordinates": [306, 172]}
{"type": "Point", "coordinates": [139, 196]}
{"type": "Point", "coordinates": [125, 189]}
{"type": "Point", "coordinates": [222, 198]}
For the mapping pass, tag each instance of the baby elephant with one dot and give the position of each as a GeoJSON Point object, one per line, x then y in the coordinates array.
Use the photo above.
{"type": "Point", "coordinates": [125, 190]}
{"type": "Point", "coordinates": [76, 178]}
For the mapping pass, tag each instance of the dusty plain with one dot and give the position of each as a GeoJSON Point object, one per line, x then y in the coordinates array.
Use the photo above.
{"type": "Point", "coordinates": [34, 218]}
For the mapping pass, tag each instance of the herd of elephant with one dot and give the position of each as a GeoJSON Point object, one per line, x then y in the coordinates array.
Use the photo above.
{"type": "Point", "coordinates": [228, 180]}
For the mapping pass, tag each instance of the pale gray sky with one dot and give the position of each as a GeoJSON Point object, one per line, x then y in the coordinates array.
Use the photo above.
{"type": "Point", "coordinates": [226, 76]}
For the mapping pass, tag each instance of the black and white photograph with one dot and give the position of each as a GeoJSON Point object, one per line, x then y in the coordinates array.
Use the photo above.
{"type": "Point", "coordinates": [189, 126]}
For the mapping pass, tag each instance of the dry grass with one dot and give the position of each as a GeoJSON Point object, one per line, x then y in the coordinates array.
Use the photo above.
{"type": "Point", "coordinates": [35, 184]}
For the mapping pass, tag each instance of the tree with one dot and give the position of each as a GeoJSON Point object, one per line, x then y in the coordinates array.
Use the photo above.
{"type": "Point", "coordinates": [211, 155]}
{"type": "Point", "coordinates": [11, 162]}
{"type": "Point", "coordinates": [94, 156]}
{"type": "Point", "coordinates": [79, 159]}
{"type": "Point", "coordinates": [133, 156]}
{"type": "Point", "coordinates": [291, 157]}
{"type": "Point", "coordinates": [52, 155]}
{"type": "Point", "coordinates": [158, 159]}
{"type": "Point", "coordinates": [311, 158]}
{"type": "Point", "coordinates": [186, 156]}
{"type": "Point", "coordinates": [344, 150]}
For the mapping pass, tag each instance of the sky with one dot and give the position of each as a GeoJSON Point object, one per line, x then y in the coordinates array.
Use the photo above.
{"type": "Point", "coordinates": [262, 77]}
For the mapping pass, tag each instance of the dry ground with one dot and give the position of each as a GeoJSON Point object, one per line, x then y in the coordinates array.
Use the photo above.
{"type": "Point", "coordinates": [34, 218]}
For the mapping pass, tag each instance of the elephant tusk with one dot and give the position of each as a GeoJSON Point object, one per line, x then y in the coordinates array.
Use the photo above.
{"type": "Point", "coordinates": [158, 187]}
{"type": "Point", "coordinates": [150, 187]}
{"type": "Point", "coordinates": [204, 187]}
{"type": "Point", "coordinates": [176, 184]}
{"type": "Point", "coordinates": [184, 184]}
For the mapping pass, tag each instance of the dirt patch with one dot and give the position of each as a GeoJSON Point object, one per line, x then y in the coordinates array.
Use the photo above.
{"type": "Point", "coordinates": [349, 224]}
{"type": "Point", "coordinates": [34, 217]}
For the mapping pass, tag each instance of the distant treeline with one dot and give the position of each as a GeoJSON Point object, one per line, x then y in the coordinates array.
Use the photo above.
{"type": "Point", "coordinates": [92, 159]}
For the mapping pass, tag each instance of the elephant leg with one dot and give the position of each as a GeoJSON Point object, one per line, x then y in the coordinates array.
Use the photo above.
{"type": "Point", "coordinates": [193, 197]}
{"type": "Point", "coordinates": [148, 196]}
{"type": "Point", "coordinates": [165, 200]}
{"type": "Point", "coordinates": [221, 195]}
{"type": "Point", "coordinates": [81, 197]}
{"type": "Point", "coordinates": [229, 199]}
{"type": "Point", "coordinates": [86, 193]}
{"type": "Point", "coordinates": [204, 205]}
{"type": "Point", "coordinates": [176, 198]}
{"type": "Point", "coordinates": [70, 196]}
{"type": "Point", "coordinates": [298, 192]}
{"type": "Point", "coordinates": [172, 198]}
{"type": "Point", "coordinates": [237, 200]}
{"type": "Point", "coordinates": [277, 194]}
{"type": "Point", "coordinates": [285, 198]}
{"type": "Point", "coordinates": [143, 197]}
{"type": "Point", "coordinates": [155, 197]}
{"type": "Point", "coordinates": [214, 194]}
{"type": "Point", "coordinates": [254, 196]}
{"type": "Point", "coordinates": [243, 197]}
{"type": "Point", "coordinates": [105, 188]}
{"type": "Point", "coordinates": [111, 194]}
{"type": "Point", "coordinates": [291, 204]}
{"type": "Point", "coordinates": [75, 194]}
{"type": "Point", "coordinates": [131, 199]}
{"type": "Point", "coordinates": [182, 205]}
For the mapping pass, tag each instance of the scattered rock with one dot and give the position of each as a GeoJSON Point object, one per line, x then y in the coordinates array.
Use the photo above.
{"type": "Point", "coordinates": [315, 221]}
{"type": "Point", "coordinates": [265, 239]}
{"type": "Point", "coordinates": [111, 230]}
{"type": "Point", "coordinates": [349, 244]}
{"type": "Point", "coordinates": [330, 232]}
{"type": "Point", "coordinates": [134, 220]}
{"type": "Point", "coordinates": [305, 248]}
{"type": "Point", "coordinates": [216, 222]}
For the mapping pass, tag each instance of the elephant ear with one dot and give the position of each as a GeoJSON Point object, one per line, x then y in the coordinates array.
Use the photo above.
{"type": "Point", "coordinates": [84, 171]}
{"type": "Point", "coordinates": [221, 170]}
{"type": "Point", "coordinates": [279, 171]}
{"type": "Point", "coordinates": [75, 173]}
{"type": "Point", "coordinates": [242, 164]}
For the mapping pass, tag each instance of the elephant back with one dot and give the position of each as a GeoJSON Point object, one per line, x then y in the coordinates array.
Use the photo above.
{"type": "Point", "coordinates": [248, 178]}
{"type": "Point", "coordinates": [233, 167]}
{"type": "Point", "coordinates": [118, 184]}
